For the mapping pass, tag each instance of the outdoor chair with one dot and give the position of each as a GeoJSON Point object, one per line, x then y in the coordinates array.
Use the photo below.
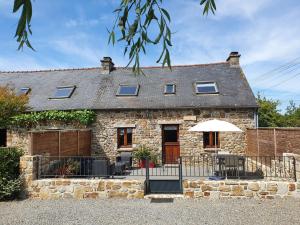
{"type": "Point", "coordinates": [123, 162]}
{"type": "Point", "coordinates": [125, 157]}
{"type": "Point", "coordinates": [102, 168]}
{"type": "Point", "coordinates": [231, 163]}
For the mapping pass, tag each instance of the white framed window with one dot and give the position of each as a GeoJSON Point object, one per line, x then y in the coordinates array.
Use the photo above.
{"type": "Point", "coordinates": [170, 89]}
{"type": "Point", "coordinates": [63, 92]}
{"type": "Point", "coordinates": [128, 90]}
{"type": "Point", "coordinates": [206, 87]}
{"type": "Point", "coordinates": [24, 91]}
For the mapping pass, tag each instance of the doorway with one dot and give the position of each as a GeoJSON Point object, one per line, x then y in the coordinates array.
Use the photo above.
{"type": "Point", "coordinates": [170, 144]}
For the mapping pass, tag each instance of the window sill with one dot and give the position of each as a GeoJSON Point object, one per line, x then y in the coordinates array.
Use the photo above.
{"type": "Point", "coordinates": [125, 149]}
{"type": "Point", "coordinates": [211, 149]}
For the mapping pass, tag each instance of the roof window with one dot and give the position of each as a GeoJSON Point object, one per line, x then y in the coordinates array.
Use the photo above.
{"type": "Point", "coordinates": [64, 92]}
{"type": "Point", "coordinates": [206, 88]}
{"type": "Point", "coordinates": [170, 89]}
{"type": "Point", "coordinates": [24, 91]}
{"type": "Point", "coordinates": [128, 90]}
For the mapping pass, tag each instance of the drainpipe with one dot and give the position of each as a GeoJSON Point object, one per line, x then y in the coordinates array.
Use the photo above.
{"type": "Point", "coordinates": [256, 119]}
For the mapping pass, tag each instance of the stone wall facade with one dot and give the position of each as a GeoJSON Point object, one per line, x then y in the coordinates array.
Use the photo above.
{"type": "Point", "coordinates": [19, 138]}
{"type": "Point", "coordinates": [240, 189]}
{"type": "Point", "coordinates": [148, 129]}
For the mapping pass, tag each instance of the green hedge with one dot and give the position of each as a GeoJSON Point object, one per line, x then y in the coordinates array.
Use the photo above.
{"type": "Point", "coordinates": [10, 181]}
{"type": "Point", "coordinates": [84, 117]}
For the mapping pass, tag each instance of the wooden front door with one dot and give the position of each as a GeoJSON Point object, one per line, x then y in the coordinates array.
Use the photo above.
{"type": "Point", "coordinates": [170, 142]}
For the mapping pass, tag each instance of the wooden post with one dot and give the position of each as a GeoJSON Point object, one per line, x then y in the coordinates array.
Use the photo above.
{"type": "Point", "coordinates": [78, 143]}
{"type": "Point", "coordinates": [30, 150]}
{"type": "Point", "coordinates": [59, 144]}
{"type": "Point", "coordinates": [275, 142]}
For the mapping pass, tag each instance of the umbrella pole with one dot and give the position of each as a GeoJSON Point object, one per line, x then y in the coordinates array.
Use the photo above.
{"type": "Point", "coordinates": [216, 142]}
{"type": "Point", "coordinates": [216, 153]}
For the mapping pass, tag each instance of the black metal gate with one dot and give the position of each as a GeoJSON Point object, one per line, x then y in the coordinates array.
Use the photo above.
{"type": "Point", "coordinates": [164, 180]}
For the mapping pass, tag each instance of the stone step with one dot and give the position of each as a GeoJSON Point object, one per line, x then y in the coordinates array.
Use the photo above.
{"type": "Point", "coordinates": [163, 196]}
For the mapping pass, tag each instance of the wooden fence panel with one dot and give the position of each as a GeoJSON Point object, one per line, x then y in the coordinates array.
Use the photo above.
{"type": "Point", "coordinates": [61, 143]}
{"type": "Point", "coordinates": [85, 139]}
{"type": "Point", "coordinates": [44, 142]}
{"type": "Point", "coordinates": [68, 143]}
{"type": "Point", "coordinates": [272, 141]}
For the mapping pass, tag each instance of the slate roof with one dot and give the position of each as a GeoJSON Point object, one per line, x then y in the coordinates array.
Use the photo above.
{"type": "Point", "coordinates": [95, 90]}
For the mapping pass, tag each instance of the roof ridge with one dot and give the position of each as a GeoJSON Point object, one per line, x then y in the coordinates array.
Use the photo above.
{"type": "Point", "coordinates": [49, 70]}
{"type": "Point", "coordinates": [183, 65]}
{"type": "Point", "coordinates": [118, 67]}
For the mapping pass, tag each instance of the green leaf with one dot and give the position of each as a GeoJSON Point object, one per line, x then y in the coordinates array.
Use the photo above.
{"type": "Point", "coordinates": [17, 5]}
{"type": "Point", "coordinates": [28, 11]}
{"type": "Point", "coordinates": [22, 24]}
{"type": "Point", "coordinates": [29, 45]}
{"type": "Point", "coordinates": [166, 14]}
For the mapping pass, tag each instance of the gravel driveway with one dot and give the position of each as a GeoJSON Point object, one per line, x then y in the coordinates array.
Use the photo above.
{"type": "Point", "coordinates": [143, 212]}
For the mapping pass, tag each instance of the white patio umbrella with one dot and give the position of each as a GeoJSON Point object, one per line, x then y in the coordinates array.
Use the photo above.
{"type": "Point", "coordinates": [215, 126]}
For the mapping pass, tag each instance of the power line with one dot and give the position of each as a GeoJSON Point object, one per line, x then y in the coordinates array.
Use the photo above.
{"type": "Point", "coordinates": [278, 76]}
{"type": "Point", "coordinates": [280, 68]}
{"type": "Point", "coordinates": [275, 85]}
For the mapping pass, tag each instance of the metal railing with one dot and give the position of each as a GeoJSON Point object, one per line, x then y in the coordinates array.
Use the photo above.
{"type": "Point", "coordinates": [239, 167]}
{"type": "Point", "coordinates": [74, 166]}
{"type": "Point", "coordinates": [206, 166]}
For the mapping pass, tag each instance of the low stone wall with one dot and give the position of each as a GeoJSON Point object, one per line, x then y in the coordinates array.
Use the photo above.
{"type": "Point", "coordinates": [85, 188]}
{"type": "Point", "coordinates": [29, 169]}
{"type": "Point", "coordinates": [240, 189]}
{"type": "Point", "coordinates": [59, 188]}
{"type": "Point", "coordinates": [297, 163]}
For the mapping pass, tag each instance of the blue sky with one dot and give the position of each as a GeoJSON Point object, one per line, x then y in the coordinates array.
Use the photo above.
{"type": "Point", "coordinates": [72, 34]}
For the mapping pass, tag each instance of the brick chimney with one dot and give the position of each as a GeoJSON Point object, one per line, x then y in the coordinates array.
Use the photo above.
{"type": "Point", "coordinates": [107, 65]}
{"type": "Point", "coordinates": [234, 59]}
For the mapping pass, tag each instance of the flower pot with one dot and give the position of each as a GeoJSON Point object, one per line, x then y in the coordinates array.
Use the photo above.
{"type": "Point", "coordinates": [151, 164]}
{"type": "Point", "coordinates": [142, 164]}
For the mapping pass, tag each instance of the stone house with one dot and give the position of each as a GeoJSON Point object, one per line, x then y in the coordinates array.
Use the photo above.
{"type": "Point", "coordinates": [155, 109]}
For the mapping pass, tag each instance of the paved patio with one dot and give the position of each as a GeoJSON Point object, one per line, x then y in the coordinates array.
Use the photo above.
{"type": "Point", "coordinates": [172, 172]}
{"type": "Point", "coordinates": [168, 172]}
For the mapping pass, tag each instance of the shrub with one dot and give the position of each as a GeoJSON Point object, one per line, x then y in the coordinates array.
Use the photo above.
{"type": "Point", "coordinates": [11, 104]}
{"type": "Point", "coordinates": [10, 182]}
{"type": "Point", "coordinates": [63, 168]}
{"type": "Point", "coordinates": [84, 117]}
{"type": "Point", "coordinates": [143, 152]}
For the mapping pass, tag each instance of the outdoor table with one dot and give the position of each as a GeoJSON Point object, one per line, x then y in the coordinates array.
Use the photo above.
{"type": "Point", "coordinates": [231, 162]}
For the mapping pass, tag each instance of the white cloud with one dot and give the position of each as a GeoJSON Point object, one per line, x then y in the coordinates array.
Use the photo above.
{"type": "Point", "coordinates": [77, 47]}
{"type": "Point", "coordinates": [262, 36]}
{"type": "Point", "coordinates": [77, 23]}
{"type": "Point", "coordinates": [6, 8]}
{"type": "Point", "coordinates": [19, 63]}
{"type": "Point", "coordinates": [6, 4]}
{"type": "Point", "coordinates": [240, 8]}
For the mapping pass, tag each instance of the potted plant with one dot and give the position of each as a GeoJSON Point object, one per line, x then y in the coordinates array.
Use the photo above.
{"type": "Point", "coordinates": [153, 160]}
{"type": "Point", "coordinates": [142, 153]}
{"type": "Point", "coordinates": [65, 168]}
